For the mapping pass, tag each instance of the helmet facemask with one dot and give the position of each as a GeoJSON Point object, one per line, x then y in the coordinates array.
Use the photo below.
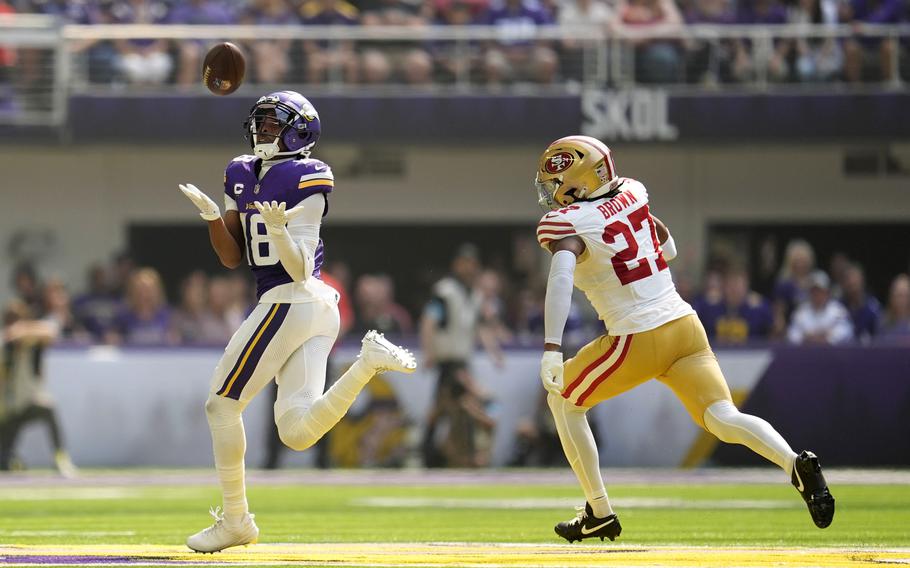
{"type": "Point", "coordinates": [276, 129]}
{"type": "Point", "coordinates": [266, 131]}
{"type": "Point", "coordinates": [546, 193]}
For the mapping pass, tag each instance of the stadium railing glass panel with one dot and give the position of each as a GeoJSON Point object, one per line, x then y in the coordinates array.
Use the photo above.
{"type": "Point", "coordinates": [44, 62]}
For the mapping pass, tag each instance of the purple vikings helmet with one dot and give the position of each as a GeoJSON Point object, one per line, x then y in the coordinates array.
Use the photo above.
{"type": "Point", "coordinates": [286, 116]}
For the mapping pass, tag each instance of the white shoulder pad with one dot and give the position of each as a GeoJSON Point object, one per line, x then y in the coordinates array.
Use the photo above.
{"type": "Point", "coordinates": [575, 220]}
{"type": "Point", "coordinates": [634, 187]}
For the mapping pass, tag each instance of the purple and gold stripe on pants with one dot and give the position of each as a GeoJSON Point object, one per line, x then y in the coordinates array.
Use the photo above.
{"type": "Point", "coordinates": [252, 352]}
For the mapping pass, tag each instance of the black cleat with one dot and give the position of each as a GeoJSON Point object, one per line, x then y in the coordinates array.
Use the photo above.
{"type": "Point", "coordinates": [586, 525]}
{"type": "Point", "coordinates": [808, 479]}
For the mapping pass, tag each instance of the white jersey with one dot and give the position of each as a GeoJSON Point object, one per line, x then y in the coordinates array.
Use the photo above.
{"type": "Point", "coordinates": [622, 271]}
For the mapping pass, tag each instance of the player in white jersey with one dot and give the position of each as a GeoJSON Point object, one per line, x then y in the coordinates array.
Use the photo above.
{"type": "Point", "coordinates": [605, 241]}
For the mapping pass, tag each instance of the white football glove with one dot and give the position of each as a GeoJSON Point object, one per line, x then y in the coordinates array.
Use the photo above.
{"type": "Point", "coordinates": [275, 215]}
{"type": "Point", "coordinates": [208, 209]}
{"type": "Point", "coordinates": [551, 370]}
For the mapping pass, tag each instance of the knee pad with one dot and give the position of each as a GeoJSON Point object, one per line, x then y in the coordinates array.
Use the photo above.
{"type": "Point", "coordinates": [719, 417]}
{"type": "Point", "coordinates": [555, 402]}
{"type": "Point", "coordinates": [293, 432]}
{"type": "Point", "coordinates": [222, 412]}
{"type": "Point", "coordinates": [562, 407]}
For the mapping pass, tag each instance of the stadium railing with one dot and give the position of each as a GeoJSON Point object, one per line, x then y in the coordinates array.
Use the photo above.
{"type": "Point", "coordinates": [34, 71]}
{"type": "Point", "coordinates": [52, 61]}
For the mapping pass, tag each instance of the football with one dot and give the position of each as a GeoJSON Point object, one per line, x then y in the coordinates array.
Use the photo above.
{"type": "Point", "coordinates": [223, 69]}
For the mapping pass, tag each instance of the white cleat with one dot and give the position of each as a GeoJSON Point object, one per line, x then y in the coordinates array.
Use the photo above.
{"type": "Point", "coordinates": [222, 535]}
{"type": "Point", "coordinates": [382, 355]}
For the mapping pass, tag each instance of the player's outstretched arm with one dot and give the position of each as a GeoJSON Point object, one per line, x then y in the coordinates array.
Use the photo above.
{"type": "Point", "coordinates": [557, 304]}
{"type": "Point", "coordinates": [298, 262]}
{"type": "Point", "coordinates": [32, 331]}
{"type": "Point", "coordinates": [226, 235]}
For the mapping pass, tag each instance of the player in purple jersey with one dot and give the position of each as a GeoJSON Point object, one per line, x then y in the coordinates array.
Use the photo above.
{"type": "Point", "coordinates": [275, 200]}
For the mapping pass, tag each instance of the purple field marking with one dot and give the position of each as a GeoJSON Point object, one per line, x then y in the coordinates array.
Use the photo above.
{"type": "Point", "coordinates": [45, 559]}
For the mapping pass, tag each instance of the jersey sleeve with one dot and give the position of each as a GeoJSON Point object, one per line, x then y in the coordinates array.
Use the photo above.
{"type": "Point", "coordinates": [316, 178]}
{"type": "Point", "coordinates": [231, 173]}
{"type": "Point", "coordinates": [554, 226]}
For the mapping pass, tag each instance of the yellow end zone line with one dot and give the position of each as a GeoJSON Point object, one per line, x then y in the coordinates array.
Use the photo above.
{"type": "Point", "coordinates": [486, 555]}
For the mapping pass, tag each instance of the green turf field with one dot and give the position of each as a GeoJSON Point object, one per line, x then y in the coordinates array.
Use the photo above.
{"type": "Point", "coordinates": [721, 515]}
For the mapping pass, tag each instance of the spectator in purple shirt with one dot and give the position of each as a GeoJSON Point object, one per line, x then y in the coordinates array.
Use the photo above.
{"type": "Point", "coordinates": [711, 296]}
{"type": "Point", "coordinates": [325, 58]}
{"type": "Point", "coordinates": [896, 323]}
{"type": "Point", "coordinates": [196, 12]}
{"type": "Point", "coordinates": [861, 53]}
{"type": "Point", "coordinates": [142, 61]}
{"type": "Point", "coordinates": [146, 318]}
{"type": "Point", "coordinates": [865, 310]}
{"type": "Point", "coordinates": [742, 314]}
{"type": "Point", "coordinates": [96, 308]}
{"type": "Point", "coordinates": [517, 56]}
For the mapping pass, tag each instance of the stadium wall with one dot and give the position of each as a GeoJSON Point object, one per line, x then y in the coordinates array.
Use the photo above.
{"type": "Point", "coordinates": [66, 207]}
{"type": "Point", "coordinates": [145, 407]}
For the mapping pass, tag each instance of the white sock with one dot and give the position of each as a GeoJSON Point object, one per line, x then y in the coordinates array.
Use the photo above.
{"type": "Point", "coordinates": [302, 426]}
{"type": "Point", "coordinates": [730, 425]}
{"type": "Point", "coordinates": [581, 451]}
{"type": "Point", "coordinates": [229, 445]}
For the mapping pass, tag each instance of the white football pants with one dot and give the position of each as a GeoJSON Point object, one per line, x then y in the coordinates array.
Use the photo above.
{"type": "Point", "coordinates": [291, 343]}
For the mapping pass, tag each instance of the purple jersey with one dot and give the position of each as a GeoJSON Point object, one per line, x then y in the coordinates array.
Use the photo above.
{"type": "Point", "coordinates": [137, 330]}
{"type": "Point", "coordinates": [517, 22]}
{"type": "Point", "coordinates": [737, 324]}
{"type": "Point", "coordinates": [292, 182]}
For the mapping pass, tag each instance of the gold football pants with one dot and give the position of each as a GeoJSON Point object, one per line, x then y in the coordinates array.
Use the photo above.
{"type": "Point", "coordinates": [676, 353]}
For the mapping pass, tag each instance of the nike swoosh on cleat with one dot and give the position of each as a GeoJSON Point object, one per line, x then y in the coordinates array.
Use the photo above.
{"type": "Point", "coordinates": [799, 479]}
{"type": "Point", "coordinates": [585, 530]}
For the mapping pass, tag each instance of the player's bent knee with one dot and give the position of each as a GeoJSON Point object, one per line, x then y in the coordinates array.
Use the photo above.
{"type": "Point", "coordinates": [559, 406]}
{"type": "Point", "coordinates": [555, 402]}
{"type": "Point", "coordinates": [292, 434]}
{"type": "Point", "coordinates": [719, 417]}
{"type": "Point", "coordinates": [222, 412]}
{"type": "Point", "coordinates": [295, 441]}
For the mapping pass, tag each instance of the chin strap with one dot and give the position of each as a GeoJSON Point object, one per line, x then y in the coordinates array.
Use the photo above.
{"type": "Point", "coordinates": [266, 151]}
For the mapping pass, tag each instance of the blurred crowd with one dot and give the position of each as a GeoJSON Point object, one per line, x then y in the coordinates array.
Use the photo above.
{"type": "Point", "coordinates": [516, 57]}
{"type": "Point", "coordinates": [805, 305]}
{"type": "Point", "coordinates": [121, 303]}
